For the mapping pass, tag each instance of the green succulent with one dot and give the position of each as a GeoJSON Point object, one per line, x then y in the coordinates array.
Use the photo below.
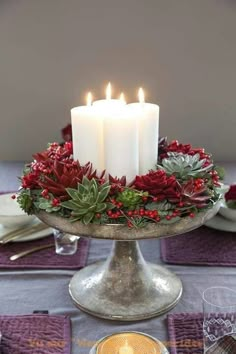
{"type": "Point", "coordinates": [87, 200]}
{"type": "Point", "coordinates": [25, 201]}
{"type": "Point", "coordinates": [183, 166]}
{"type": "Point", "coordinates": [130, 198]}
{"type": "Point", "coordinates": [46, 204]}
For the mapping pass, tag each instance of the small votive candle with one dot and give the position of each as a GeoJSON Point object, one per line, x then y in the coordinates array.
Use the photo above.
{"type": "Point", "coordinates": [129, 343]}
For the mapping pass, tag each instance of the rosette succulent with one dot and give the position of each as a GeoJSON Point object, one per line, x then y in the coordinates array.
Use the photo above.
{"type": "Point", "coordinates": [158, 184]}
{"type": "Point", "coordinates": [194, 193]}
{"type": "Point", "coordinates": [184, 166]}
{"type": "Point", "coordinates": [87, 200]}
{"type": "Point", "coordinates": [130, 198]}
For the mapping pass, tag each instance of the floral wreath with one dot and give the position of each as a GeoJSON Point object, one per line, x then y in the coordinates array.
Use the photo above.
{"type": "Point", "coordinates": [184, 182]}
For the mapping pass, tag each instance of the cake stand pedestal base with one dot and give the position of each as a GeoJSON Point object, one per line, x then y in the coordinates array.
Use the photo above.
{"type": "Point", "coordinates": [125, 287]}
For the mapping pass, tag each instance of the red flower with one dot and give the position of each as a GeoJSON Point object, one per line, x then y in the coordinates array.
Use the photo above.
{"type": "Point", "coordinates": [175, 146]}
{"type": "Point", "coordinates": [231, 194]}
{"type": "Point", "coordinates": [117, 184]}
{"type": "Point", "coordinates": [30, 180]}
{"type": "Point", "coordinates": [66, 133]}
{"type": "Point", "coordinates": [158, 184]}
{"type": "Point", "coordinates": [194, 192]}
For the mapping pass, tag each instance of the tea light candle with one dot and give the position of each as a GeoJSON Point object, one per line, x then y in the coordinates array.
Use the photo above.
{"type": "Point", "coordinates": [129, 343]}
{"type": "Point", "coordinates": [126, 349]}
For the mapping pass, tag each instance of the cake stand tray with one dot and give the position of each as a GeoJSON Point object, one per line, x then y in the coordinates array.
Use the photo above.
{"type": "Point", "coordinates": [125, 287]}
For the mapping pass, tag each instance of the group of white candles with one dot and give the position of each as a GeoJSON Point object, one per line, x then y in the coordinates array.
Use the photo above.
{"type": "Point", "coordinates": [118, 137]}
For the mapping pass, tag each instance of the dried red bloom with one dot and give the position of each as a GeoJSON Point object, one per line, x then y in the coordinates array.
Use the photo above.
{"type": "Point", "coordinates": [231, 194]}
{"type": "Point", "coordinates": [158, 184]}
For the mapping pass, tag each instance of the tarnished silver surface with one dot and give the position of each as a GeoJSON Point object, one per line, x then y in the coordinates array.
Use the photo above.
{"type": "Point", "coordinates": [158, 349]}
{"type": "Point", "coordinates": [122, 232]}
{"type": "Point", "coordinates": [125, 287]}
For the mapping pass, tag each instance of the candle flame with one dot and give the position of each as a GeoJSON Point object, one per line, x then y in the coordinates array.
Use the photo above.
{"type": "Point", "coordinates": [126, 349]}
{"type": "Point", "coordinates": [108, 91]}
{"type": "Point", "coordinates": [122, 97]}
{"type": "Point", "coordinates": [141, 95]}
{"type": "Point", "coordinates": [89, 99]}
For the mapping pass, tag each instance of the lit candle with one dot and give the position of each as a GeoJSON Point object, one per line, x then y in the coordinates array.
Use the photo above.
{"type": "Point", "coordinates": [87, 135]}
{"type": "Point", "coordinates": [126, 349]}
{"type": "Point", "coordinates": [147, 115]}
{"type": "Point", "coordinates": [121, 144]}
{"type": "Point", "coordinates": [108, 105]}
{"type": "Point", "coordinates": [122, 97]}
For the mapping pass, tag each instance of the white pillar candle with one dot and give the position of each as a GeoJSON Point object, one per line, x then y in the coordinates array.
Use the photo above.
{"type": "Point", "coordinates": [87, 135]}
{"type": "Point", "coordinates": [109, 105]}
{"type": "Point", "coordinates": [147, 115]}
{"type": "Point", "coordinates": [121, 144]}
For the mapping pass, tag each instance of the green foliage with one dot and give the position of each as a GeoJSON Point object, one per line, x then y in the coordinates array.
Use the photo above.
{"type": "Point", "coordinates": [231, 204]}
{"type": "Point", "coordinates": [25, 201]}
{"type": "Point", "coordinates": [46, 204]}
{"type": "Point", "coordinates": [221, 172]}
{"type": "Point", "coordinates": [131, 198]}
{"type": "Point", "coordinates": [184, 166]}
{"type": "Point", "coordinates": [87, 200]}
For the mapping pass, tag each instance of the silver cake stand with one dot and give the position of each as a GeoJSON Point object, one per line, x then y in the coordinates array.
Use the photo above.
{"type": "Point", "coordinates": [125, 287]}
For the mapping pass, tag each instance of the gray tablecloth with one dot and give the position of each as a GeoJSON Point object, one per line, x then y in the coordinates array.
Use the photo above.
{"type": "Point", "coordinates": [22, 292]}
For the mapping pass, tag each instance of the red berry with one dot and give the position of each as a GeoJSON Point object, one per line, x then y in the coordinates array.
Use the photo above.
{"type": "Point", "coordinates": [155, 199]}
{"type": "Point", "coordinates": [158, 218]}
{"type": "Point", "coordinates": [44, 193]}
{"type": "Point", "coordinates": [130, 213]}
{"type": "Point", "coordinates": [109, 212]}
{"type": "Point", "coordinates": [98, 215]}
{"type": "Point", "coordinates": [168, 217]}
{"type": "Point", "coordinates": [55, 202]}
{"type": "Point", "coordinates": [144, 199]}
{"type": "Point", "coordinates": [130, 224]}
{"type": "Point", "coordinates": [192, 215]}
{"type": "Point", "coordinates": [13, 196]}
{"type": "Point", "coordinates": [181, 204]}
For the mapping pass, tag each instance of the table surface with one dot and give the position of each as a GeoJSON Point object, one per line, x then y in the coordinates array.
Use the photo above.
{"type": "Point", "coordinates": [22, 292]}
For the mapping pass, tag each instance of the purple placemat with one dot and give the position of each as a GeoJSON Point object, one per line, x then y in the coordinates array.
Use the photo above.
{"type": "Point", "coordinates": [44, 259]}
{"type": "Point", "coordinates": [203, 246]}
{"type": "Point", "coordinates": [185, 333]}
{"type": "Point", "coordinates": [35, 334]}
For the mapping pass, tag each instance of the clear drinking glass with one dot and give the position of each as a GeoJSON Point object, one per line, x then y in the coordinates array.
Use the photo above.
{"type": "Point", "coordinates": [65, 244]}
{"type": "Point", "coordinates": [219, 323]}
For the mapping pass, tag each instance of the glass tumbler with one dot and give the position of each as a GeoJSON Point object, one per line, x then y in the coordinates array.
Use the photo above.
{"type": "Point", "coordinates": [219, 322]}
{"type": "Point", "coordinates": [65, 244]}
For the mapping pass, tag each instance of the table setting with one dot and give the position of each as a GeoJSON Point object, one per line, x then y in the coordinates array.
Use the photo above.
{"type": "Point", "coordinates": [76, 233]}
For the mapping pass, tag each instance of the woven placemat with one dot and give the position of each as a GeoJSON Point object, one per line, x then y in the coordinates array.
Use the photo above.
{"type": "Point", "coordinates": [44, 259]}
{"type": "Point", "coordinates": [203, 246]}
{"type": "Point", "coordinates": [185, 333]}
{"type": "Point", "coordinates": [35, 334]}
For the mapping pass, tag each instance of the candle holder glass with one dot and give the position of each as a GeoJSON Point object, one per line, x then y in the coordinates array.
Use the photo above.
{"type": "Point", "coordinates": [125, 287]}
{"type": "Point", "coordinates": [129, 343]}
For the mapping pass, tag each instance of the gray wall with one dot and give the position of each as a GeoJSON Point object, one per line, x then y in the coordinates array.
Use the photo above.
{"type": "Point", "coordinates": [183, 52]}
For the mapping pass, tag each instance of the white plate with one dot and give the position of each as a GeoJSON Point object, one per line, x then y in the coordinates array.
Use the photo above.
{"type": "Point", "coordinates": [34, 236]}
{"type": "Point", "coordinates": [220, 223]}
